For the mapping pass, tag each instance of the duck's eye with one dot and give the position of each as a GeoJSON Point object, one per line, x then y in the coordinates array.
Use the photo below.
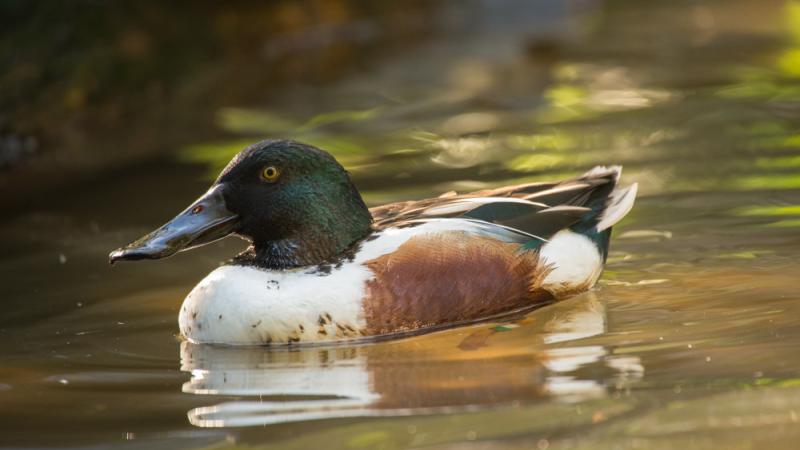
{"type": "Point", "coordinates": [270, 174]}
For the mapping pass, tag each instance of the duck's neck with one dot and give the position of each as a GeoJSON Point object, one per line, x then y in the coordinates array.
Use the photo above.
{"type": "Point", "coordinates": [321, 239]}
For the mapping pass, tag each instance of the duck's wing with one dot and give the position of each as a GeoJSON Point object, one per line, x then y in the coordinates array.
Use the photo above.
{"type": "Point", "coordinates": [589, 203]}
{"type": "Point", "coordinates": [415, 209]}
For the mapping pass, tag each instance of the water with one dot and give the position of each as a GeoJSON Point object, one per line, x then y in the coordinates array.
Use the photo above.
{"type": "Point", "coordinates": [689, 341]}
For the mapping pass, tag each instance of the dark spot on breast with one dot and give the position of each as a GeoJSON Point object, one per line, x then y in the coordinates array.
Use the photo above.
{"type": "Point", "coordinates": [322, 331]}
{"type": "Point", "coordinates": [302, 328]}
{"type": "Point", "coordinates": [194, 315]}
{"type": "Point", "coordinates": [220, 317]}
{"type": "Point", "coordinates": [328, 316]}
{"type": "Point", "coordinates": [323, 269]}
{"type": "Point", "coordinates": [321, 321]}
{"type": "Point", "coordinates": [346, 330]}
{"type": "Point", "coordinates": [293, 339]}
{"type": "Point", "coordinates": [256, 324]}
{"type": "Point", "coordinates": [199, 326]}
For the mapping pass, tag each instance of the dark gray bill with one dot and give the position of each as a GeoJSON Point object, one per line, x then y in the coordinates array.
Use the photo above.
{"type": "Point", "coordinates": [204, 221]}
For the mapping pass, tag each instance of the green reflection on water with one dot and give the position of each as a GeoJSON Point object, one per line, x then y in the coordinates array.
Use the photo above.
{"type": "Point", "coordinates": [789, 61]}
{"type": "Point", "coordinates": [793, 223]}
{"type": "Point", "coordinates": [786, 210]}
{"type": "Point", "coordinates": [539, 161]}
{"type": "Point", "coordinates": [566, 102]}
{"type": "Point", "coordinates": [214, 154]}
{"type": "Point", "coordinates": [775, 180]}
{"type": "Point", "coordinates": [778, 162]}
{"type": "Point", "coordinates": [246, 120]}
{"type": "Point", "coordinates": [341, 116]}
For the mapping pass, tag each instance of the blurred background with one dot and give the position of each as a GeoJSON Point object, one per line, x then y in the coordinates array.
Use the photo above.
{"type": "Point", "coordinates": [115, 115]}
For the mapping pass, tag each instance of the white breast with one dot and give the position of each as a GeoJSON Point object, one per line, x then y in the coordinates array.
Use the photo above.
{"type": "Point", "coordinates": [248, 305]}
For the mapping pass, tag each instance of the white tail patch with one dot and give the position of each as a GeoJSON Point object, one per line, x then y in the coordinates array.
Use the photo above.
{"type": "Point", "coordinates": [603, 171]}
{"type": "Point", "coordinates": [619, 204]}
{"type": "Point", "coordinates": [575, 263]}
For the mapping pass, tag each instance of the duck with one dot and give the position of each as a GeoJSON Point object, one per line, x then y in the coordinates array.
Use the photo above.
{"type": "Point", "coordinates": [321, 267]}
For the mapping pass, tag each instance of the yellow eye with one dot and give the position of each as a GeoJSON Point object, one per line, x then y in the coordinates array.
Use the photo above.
{"type": "Point", "coordinates": [270, 174]}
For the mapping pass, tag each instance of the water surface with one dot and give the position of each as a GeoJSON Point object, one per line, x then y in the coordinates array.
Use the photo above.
{"type": "Point", "coordinates": [689, 341]}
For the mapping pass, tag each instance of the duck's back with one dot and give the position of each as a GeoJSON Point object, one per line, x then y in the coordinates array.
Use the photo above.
{"type": "Point", "coordinates": [429, 264]}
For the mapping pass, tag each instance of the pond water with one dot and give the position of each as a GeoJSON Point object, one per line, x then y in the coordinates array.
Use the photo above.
{"type": "Point", "coordinates": [690, 340]}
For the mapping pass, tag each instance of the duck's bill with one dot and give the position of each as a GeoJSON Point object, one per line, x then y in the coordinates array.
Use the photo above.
{"type": "Point", "coordinates": [204, 221]}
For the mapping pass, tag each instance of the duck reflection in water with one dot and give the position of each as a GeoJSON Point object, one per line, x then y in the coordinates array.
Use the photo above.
{"type": "Point", "coordinates": [469, 369]}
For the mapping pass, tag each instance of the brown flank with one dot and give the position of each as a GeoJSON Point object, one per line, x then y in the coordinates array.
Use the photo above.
{"type": "Point", "coordinates": [448, 278]}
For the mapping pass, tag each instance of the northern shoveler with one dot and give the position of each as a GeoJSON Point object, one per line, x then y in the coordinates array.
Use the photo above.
{"type": "Point", "coordinates": [323, 267]}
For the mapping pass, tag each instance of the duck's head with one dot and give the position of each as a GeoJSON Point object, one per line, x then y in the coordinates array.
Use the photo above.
{"type": "Point", "coordinates": [295, 204]}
